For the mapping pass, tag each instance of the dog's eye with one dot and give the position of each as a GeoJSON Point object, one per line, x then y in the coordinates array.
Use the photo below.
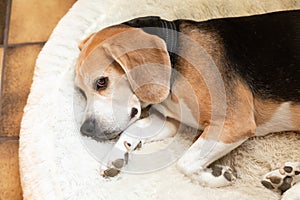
{"type": "Point", "coordinates": [101, 83]}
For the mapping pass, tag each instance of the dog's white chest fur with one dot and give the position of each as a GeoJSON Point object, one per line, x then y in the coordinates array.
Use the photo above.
{"type": "Point", "coordinates": [179, 111]}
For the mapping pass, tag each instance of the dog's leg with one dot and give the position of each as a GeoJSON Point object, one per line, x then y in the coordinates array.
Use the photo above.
{"type": "Point", "coordinates": [169, 129]}
{"type": "Point", "coordinates": [203, 152]}
{"type": "Point", "coordinates": [206, 150]}
{"type": "Point", "coordinates": [118, 156]}
{"type": "Point", "coordinates": [220, 136]}
{"type": "Point", "coordinates": [155, 127]}
{"type": "Point", "coordinates": [283, 178]}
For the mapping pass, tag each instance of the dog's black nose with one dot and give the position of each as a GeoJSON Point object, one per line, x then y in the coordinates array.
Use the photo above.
{"type": "Point", "coordinates": [88, 127]}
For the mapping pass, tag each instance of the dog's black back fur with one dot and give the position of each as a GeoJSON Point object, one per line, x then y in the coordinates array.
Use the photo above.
{"type": "Point", "coordinates": [265, 51]}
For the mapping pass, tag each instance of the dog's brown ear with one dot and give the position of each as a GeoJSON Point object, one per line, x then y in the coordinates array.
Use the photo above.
{"type": "Point", "coordinates": [83, 42]}
{"type": "Point", "coordinates": [146, 62]}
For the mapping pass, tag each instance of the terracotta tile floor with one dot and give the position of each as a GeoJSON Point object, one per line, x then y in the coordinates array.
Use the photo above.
{"type": "Point", "coordinates": [10, 187]}
{"type": "Point", "coordinates": [18, 71]}
{"type": "Point", "coordinates": [37, 26]}
{"type": "Point", "coordinates": [21, 39]}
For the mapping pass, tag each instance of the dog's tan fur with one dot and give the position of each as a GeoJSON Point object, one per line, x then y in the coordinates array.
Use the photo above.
{"type": "Point", "coordinates": [295, 115]}
{"type": "Point", "coordinates": [239, 122]}
{"type": "Point", "coordinates": [264, 109]}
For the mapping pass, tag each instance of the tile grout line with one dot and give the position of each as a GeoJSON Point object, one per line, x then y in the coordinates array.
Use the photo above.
{"type": "Point", "coordinates": [7, 22]}
{"type": "Point", "coordinates": [25, 44]}
{"type": "Point", "coordinates": [5, 43]}
{"type": "Point", "coordinates": [9, 138]}
{"type": "Point", "coordinates": [21, 44]}
{"type": "Point", "coordinates": [5, 46]}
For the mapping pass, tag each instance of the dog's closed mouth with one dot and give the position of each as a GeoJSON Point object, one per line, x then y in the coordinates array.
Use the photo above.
{"type": "Point", "coordinates": [112, 137]}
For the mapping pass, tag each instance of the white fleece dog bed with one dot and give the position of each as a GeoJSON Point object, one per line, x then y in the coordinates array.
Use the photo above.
{"type": "Point", "coordinates": [54, 161]}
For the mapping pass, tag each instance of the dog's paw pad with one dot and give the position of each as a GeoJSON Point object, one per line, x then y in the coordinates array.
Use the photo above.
{"type": "Point", "coordinates": [110, 172]}
{"type": "Point", "coordinates": [224, 171]}
{"type": "Point", "coordinates": [216, 170]}
{"type": "Point", "coordinates": [119, 163]}
{"type": "Point", "coordinates": [267, 184]}
{"type": "Point", "coordinates": [113, 168]}
{"type": "Point", "coordinates": [290, 169]}
{"type": "Point", "coordinates": [286, 184]}
{"type": "Point", "coordinates": [283, 178]}
{"type": "Point", "coordinates": [275, 179]}
{"type": "Point", "coordinates": [229, 176]}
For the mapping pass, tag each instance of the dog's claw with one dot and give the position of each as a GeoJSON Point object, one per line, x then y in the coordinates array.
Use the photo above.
{"type": "Point", "coordinates": [139, 146]}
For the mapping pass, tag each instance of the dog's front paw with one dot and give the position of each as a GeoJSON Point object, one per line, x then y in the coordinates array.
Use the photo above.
{"type": "Point", "coordinates": [283, 178]}
{"type": "Point", "coordinates": [225, 171]}
{"type": "Point", "coordinates": [110, 172]}
{"type": "Point", "coordinates": [118, 156]}
{"type": "Point", "coordinates": [216, 176]}
{"type": "Point", "coordinates": [113, 168]}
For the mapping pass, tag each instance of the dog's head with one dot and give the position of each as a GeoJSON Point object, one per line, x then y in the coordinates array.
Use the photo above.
{"type": "Point", "coordinates": [119, 69]}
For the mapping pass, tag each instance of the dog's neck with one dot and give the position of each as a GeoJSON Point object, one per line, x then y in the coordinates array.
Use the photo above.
{"type": "Point", "coordinates": [166, 30]}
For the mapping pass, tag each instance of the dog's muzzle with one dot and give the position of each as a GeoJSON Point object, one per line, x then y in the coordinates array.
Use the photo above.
{"type": "Point", "coordinates": [89, 127]}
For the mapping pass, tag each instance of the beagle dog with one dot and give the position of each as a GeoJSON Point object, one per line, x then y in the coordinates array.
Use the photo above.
{"type": "Point", "coordinates": [233, 78]}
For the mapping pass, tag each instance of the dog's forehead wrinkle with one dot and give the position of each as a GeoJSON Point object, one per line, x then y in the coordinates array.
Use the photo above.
{"type": "Point", "coordinates": [103, 37]}
{"type": "Point", "coordinates": [97, 60]}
